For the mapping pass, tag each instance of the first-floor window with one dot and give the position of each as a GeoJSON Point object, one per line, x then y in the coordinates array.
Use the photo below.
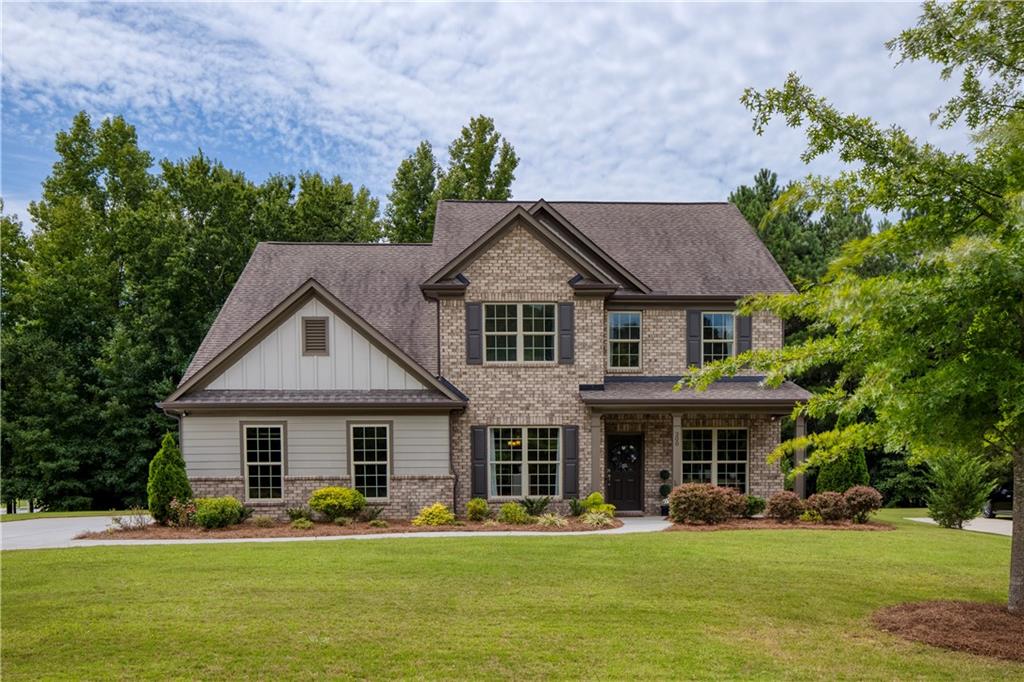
{"type": "Point", "coordinates": [524, 461]}
{"type": "Point", "coordinates": [716, 456]}
{"type": "Point", "coordinates": [264, 461]}
{"type": "Point", "coordinates": [370, 450]}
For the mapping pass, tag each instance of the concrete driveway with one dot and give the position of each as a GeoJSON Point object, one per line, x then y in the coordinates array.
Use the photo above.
{"type": "Point", "coordinates": [58, 532]}
{"type": "Point", "coordinates": [979, 525]}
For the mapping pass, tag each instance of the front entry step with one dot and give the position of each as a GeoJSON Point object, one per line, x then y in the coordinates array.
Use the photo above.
{"type": "Point", "coordinates": [628, 512]}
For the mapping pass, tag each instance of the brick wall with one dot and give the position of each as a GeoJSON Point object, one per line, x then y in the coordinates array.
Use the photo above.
{"type": "Point", "coordinates": [408, 494]}
{"type": "Point", "coordinates": [764, 434]}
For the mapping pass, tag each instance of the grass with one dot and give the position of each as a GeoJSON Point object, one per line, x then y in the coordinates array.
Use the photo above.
{"type": "Point", "coordinates": [731, 604]}
{"type": "Point", "coordinates": [25, 516]}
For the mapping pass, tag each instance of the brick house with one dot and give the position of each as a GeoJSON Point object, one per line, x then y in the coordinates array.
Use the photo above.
{"type": "Point", "coordinates": [530, 349]}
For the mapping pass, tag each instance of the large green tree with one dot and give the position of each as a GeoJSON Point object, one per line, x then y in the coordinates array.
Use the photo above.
{"type": "Point", "coordinates": [930, 348]}
{"type": "Point", "coordinates": [481, 165]}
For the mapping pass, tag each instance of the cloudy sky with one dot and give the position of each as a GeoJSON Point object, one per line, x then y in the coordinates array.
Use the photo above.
{"type": "Point", "coordinates": [626, 102]}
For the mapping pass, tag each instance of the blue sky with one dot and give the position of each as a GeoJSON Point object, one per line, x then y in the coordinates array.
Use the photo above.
{"type": "Point", "coordinates": [623, 102]}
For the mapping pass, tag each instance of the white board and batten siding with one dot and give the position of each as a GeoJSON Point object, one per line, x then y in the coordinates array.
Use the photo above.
{"type": "Point", "coordinates": [317, 445]}
{"type": "Point", "coordinates": [352, 363]}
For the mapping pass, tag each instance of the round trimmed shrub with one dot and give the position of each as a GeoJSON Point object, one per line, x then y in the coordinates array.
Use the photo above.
{"type": "Point", "coordinates": [704, 503]}
{"type": "Point", "coordinates": [437, 514]}
{"type": "Point", "coordinates": [753, 505]}
{"type": "Point", "coordinates": [829, 505]}
{"type": "Point", "coordinates": [167, 480]}
{"type": "Point", "coordinates": [843, 473]}
{"type": "Point", "coordinates": [218, 512]}
{"type": "Point", "coordinates": [513, 512]}
{"type": "Point", "coordinates": [861, 502]}
{"type": "Point", "coordinates": [477, 509]}
{"type": "Point", "coordinates": [335, 502]}
{"type": "Point", "coordinates": [785, 507]}
{"type": "Point", "coordinates": [664, 489]}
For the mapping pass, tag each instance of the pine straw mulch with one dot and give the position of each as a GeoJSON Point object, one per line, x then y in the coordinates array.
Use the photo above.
{"type": "Point", "coordinates": [972, 627]}
{"type": "Point", "coordinates": [284, 530]}
{"type": "Point", "coordinates": [769, 524]}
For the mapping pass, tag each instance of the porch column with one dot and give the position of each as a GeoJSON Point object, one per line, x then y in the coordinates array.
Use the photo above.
{"type": "Point", "coordinates": [677, 449]}
{"type": "Point", "coordinates": [799, 456]}
{"type": "Point", "coordinates": [596, 454]}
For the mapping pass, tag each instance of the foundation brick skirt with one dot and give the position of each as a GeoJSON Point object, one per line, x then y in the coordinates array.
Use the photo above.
{"type": "Point", "coordinates": [407, 494]}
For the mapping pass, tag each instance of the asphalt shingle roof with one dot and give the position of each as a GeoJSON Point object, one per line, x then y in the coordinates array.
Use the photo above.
{"type": "Point", "coordinates": [410, 398]}
{"type": "Point", "coordinates": [722, 391]}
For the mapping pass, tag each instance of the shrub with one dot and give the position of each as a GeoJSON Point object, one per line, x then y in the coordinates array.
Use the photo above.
{"type": "Point", "coordinates": [378, 523]}
{"type": "Point", "coordinates": [577, 507]}
{"type": "Point", "coordinates": [592, 502]}
{"type": "Point", "coordinates": [960, 488]}
{"type": "Point", "coordinates": [704, 503]}
{"type": "Point", "coordinates": [843, 473]}
{"type": "Point", "coordinates": [785, 507]}
{"type": "Point", "coordinates": [552, 521]}
{"type": "Point", "coordinates": [477, 509]}
{"type": "Point", "coordinates": [343, 521]}
{"type": "Point", "coordinates": [535, 506]}
{"type": "Point", "coordinates": [437, 514]}
{"type": "Point", "coordinates": [302, 524]}
{"type": "Point", "coordinates": [829, 505]}
{"type": "Point", "coordinates": [167, 480]}
{"type": "Point", "coordinates": [371, 512]}
{"type": "Point", "coordinates": [513, 512]}
{"type": "Point", "coordinates": [861, 502]}
{"type": "Point", "coordinates": [335, 501]}
{"type": "Point", "coordinates": [136, 519]}
{"type": "Point", "coordinates": [182, 513]}
{"type": "Point", "coordinates": [664, 489]}
{"type": "Point", "coordinates": [263, 521]}
{"type": "Point", "coordinates": [752, 506]}
{"type": "Point", "coordinates": [296, 513]}
{"type": "Point", "coordinates": [901, 483]}
{"type": "Point", "coordinates": [218, 512]}
{"type": "Point", "coordinates": [811, 516]}
{"type": "Point", "coordinates": [596, 519]}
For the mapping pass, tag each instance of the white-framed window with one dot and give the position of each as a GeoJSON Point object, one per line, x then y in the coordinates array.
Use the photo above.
{"type": "Point", "coordinates": [718, 334]}
{"type": "Point", "coordinates": [716, 456]}
{"type": "Point", "coordinates": [519, 332]}
{"type": "Point", "coordinates": [371, 459]}
{"type": "Point", "coordinates": [264, 461]}
{"type": "Point", "coordinates": [524, 461]}
{"type": "Point", "coordinates": [624, 333]}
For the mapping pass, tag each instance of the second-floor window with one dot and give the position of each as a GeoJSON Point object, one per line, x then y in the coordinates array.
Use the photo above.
{"type": "Point", "coordinates": [519, 332]}
{"type": "Point", "coordinates": [624, 340]}
{"type": "Point", "coordinates": [717, 336]}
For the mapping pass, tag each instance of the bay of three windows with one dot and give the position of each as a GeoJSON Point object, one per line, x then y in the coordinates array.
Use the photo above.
{"type": "Point", "coordinates": [718, 333]}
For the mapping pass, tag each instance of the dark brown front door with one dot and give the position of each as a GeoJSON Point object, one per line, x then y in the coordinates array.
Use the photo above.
{"type": "Point", "coordinates": [625, 468]}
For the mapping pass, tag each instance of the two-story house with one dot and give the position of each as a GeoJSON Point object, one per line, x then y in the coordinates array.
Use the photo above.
{"type": "Point", "coordinates": [530, 349]}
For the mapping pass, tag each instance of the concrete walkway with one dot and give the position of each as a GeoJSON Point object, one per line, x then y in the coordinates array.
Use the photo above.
{"type": "Point", "coordinates": [56, 533]}
{"type": "Point", "coordinates": [979, 525]}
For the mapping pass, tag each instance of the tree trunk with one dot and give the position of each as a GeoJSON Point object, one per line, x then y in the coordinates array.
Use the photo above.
{"type": "Point", "coordinates": [1016, 602]}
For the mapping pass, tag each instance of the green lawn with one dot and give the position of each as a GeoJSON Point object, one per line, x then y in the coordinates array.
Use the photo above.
{"type": "Point", "coordinates": [765, 604]}
{"type": "Point", "coordinates": [25, 516]}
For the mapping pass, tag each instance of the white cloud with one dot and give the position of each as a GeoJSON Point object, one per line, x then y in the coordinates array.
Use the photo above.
{"type": "Point", "coordinates": [601, 102]}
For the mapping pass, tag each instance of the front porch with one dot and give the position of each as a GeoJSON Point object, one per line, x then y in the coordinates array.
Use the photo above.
{"type": "Point", "coordinates": [645, 436]}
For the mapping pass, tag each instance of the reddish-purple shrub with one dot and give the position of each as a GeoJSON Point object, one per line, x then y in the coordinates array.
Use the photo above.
{"type": "Point", "coordinates": [829, 505]}
{"type": "Point", "coordinates": [861, 502]}
{"type": "Point", "coordinates": [704, 503]}
{"type": "Point", "coordinates": [785, 506]}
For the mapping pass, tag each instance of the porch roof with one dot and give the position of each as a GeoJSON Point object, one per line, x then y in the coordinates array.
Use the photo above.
{"type": "Point", "coordinates": [733, 393]}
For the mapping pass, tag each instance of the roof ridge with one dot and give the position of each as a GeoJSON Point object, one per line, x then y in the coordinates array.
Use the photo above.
{"type": "Point", "coordinates": [278, 242]}
{"type": "Point", "coordinates": [585, 201]}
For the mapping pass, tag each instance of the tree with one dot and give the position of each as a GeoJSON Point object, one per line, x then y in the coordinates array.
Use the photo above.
{"type": "Point", "coordinates": [839, 475]}
{"type": "Point", "coordinates": [167, 480]}
{"type": "Point", "coordinates": [412, 202]}
{"type": "Point", "coordinates": [930, 349]}
{"type": "Point", "coordinates": [960, 486]}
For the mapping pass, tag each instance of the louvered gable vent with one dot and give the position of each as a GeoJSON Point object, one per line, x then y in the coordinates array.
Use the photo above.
{"type": "Point", "coordinates": [314, 336]}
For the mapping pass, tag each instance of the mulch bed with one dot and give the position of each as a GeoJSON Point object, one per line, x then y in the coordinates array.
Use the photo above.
{"type": "Point", "coordinates": [973, 627]}
{"type": "Point", "coordinates": [284, 530]}
{"type": "Point", "coordinates": [769, 524]}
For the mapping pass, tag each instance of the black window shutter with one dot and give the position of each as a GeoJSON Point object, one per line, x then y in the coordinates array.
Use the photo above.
{"type": "Point", "coordinates": [474, 334]}
{"type": "Point", "coordinates": [743, 333]}
{"type": "Point", "coordinates": [694, 356]}
{"type": "Point", "coordinates": [566, 333]}
{"type": "Point", "coordinates": [478, 456]}
{"type": "Point", "coordinates": [570, 461]}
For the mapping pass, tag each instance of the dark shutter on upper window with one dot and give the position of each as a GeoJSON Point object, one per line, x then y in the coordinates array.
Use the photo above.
{"type": "Point", "coordinates": [314, 336]}
{"type": "Point", "coordinates": [570, 461]}
{"type": "Point", "coordinates": [478, 459]}
{"type": "Point", "coordinates": [474, 334]}
{"type": "Point", "coordinates": [566, 333]}
{"type": "Point", "coordinates": [694, 356]}
{"type": "Point", "coordinates": [743, 333]}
